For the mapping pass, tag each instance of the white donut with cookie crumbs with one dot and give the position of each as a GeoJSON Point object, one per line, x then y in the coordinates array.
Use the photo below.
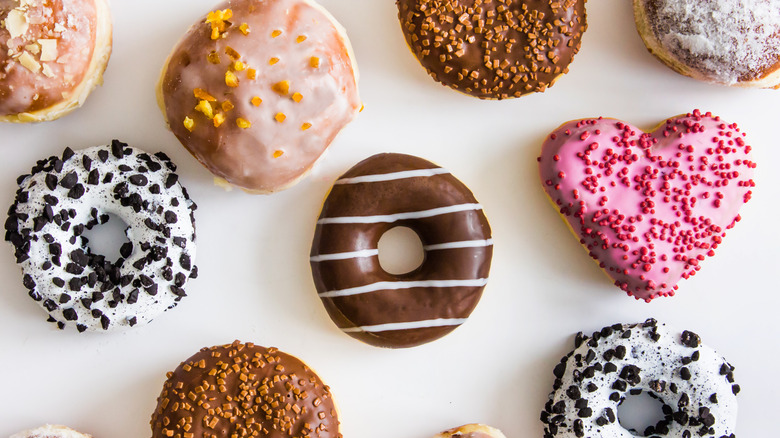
{"type": "Point", "coordinates": [53, 55]}
{"type": "Point", "coordinates": [50, 431]}
{"type": "Point", "coordinates": [258, 89]}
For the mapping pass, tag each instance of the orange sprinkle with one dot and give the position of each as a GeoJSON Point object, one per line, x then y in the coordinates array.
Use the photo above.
{"type": "Point", "coordinates": [230, 79]}
{"type": "Point", "coordinates": [297, 97]}
{"type": "Point", "coordinates": [280, 117]}
{"type": "Point", "coordinates": [281, 88]}
{"type": "Point", "coordinates": [305, 126]}
{"type": "Point", "coordinates": [300, 39]}
{"type": "Point", "coordinates": [227, 106]}
{"type": "Point", "coordinates": [243, 123]}
{"type": "Point", "coordinates": [273, 61]}
{"type": "Point", "coordinates": [276, 33]}
{"type": "Point", "coordinates": [256, 101]}
{"type": "Point", "coordinates": [189, 124]}
{"type": "Point", "coordinates": [251, 73]}
{"type": "Point", "coordinates": [278, 154]}
{"type": "Point", "coordinates": [239, 66]}
{"type": "Point", "coordinates": [201, 94]}
{"type": "Point", "coordinates": [314, 62]}
{"type": "Point", "coordinates": [213, 57]}
{"type": "Point", "coordinates": [231, 52]}
{"type": "Point", "coordinates": [218, 120]}
{"type": "Point", "coordinates": [362, 107]}
{"type": "Point", "coordinates": [244, 28]}
{"type": "Point", "coordinates": [205, 107]}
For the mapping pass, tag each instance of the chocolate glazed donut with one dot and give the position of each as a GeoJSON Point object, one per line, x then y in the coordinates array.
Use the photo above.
{"type": "Point", "coordinates": [371, 305]}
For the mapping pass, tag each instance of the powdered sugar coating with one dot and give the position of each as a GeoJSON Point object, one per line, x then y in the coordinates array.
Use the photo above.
{"type": "Point", "coordinates": [63, 197]}
{"type": "Point", "coordinates": [694, 383]}
{"type": "Point", "coordinates": [50, 431]}
{"type": "Point", "coordinates": [728, 40]}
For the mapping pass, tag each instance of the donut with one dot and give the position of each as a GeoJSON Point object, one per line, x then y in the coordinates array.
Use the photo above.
{"type": "Point", "coordinates": [728, 42]}
{"type": "Point", "coordinates": [649, 207]}
{"type": "Point", "coordinates": [54, 54]}
{"type": "Point", "coordinates": [243, 390]}
{"type": "Point", "coordinates": [494, 49]}
{"type": "Point", "coordinates": [694, 383]}
{"type": "Point", "coordinates": [381, 309]}
{"type": "Point", "coordinates": [257, 90]}
{"type": "Point", "coordinates": [64, 196]}
{"type": "Point", "coordinates": [49, 431]}
{"type": "Point", "coordinates": [471, 431]}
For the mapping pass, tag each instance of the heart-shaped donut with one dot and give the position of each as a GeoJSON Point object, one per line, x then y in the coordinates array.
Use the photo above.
{"type": "Point", "coordinates": [648, 207]}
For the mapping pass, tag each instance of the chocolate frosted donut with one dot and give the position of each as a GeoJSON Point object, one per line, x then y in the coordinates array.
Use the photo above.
{"type": "Point", "coordinates": [729, 42]}
{"type": "Point", "coordinates": [494, 49]}
{"type": "Point", "coordinates": [369, 304]}
{"type": "Point", "coordinates": [244, 390]}
{"type": "Point", "coordinates": [257, 90]}
{"type": "Point", "coordinates": [471, 431]}
{"type": "Point", "coordinates": [54, 53]}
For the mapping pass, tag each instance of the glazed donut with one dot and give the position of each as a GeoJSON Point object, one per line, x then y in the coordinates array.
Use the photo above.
{"type": "Point", "coordinates": [694, 383]}
{"type": "Point", "coordinates": [257, 90]}
{"type": "Point", "coordinates": [54, 54]}
{"type": "Point", "coordinates": [648, 207]}
{"type": "Point", "coordinates": [63, 197]}
{"type": "Point", "coordinates": [49, 431]}
{"type": "Point", "coordinates": [494, 49]}
{"type": "Point", "coordinates": [244, 390]}
{"type": "Point", "coordinates": [471, 431]}
{"type": "Point", "coordinates": [729, 42]}
{"type": "Point", "coordinates": [369, 304]}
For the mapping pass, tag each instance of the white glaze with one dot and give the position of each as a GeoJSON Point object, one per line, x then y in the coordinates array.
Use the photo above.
{"type": "Point", "coordinates": [394, 285]}
{"type": "Point", "coordinates": [390, 218]}
{"type": "Point", "coordinates": [405, 325]}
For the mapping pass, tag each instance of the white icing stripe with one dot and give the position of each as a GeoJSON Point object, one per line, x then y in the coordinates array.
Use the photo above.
{"type": "Point", "coordinates": [463, 244]}
{"type": "Point", "coordinates": [393, 176]}
{"type": "Point", "coordinates": [389, 218]}
{"type": "Point", "coordinates": [345, 255]}
{"type": "Point", "coordinates": [394, 285]}
{"type": "Point", "coordinates": [405, 325]}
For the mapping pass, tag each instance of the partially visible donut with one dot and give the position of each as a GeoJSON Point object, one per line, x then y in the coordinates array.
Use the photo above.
{"type": "Point", "coordinates": [729, 42]}
{"type": "Point", "coordinates": [471, 431]}
{"type": "Point", "coordinates": [54, 54]}
{"type": "Point", "coordinates": [50, 431]}
{"type": "Point", "coordinates": [369, 304]}
{"type": "Point", "coordinates": [63, 197]}
{"type": "Point", "coordinates": [694, 383]}
{"type": "Point", "coordinates": [244, 390]}
{"type": "Point", "coordinates": [257, 90]}
{"type": "Point", "coordinates": [494, 49]}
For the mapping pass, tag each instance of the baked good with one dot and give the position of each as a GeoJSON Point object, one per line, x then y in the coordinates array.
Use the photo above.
{"type": "Point", "coordinates": [729, 42]}
{"type": "Point", "coordinates": [471, 431]}
{"type": "Point", "coordinates": [257, 90]}
{"type": "Point", "coordinates": [494, 49]}
{"type": "Point", "coordinates": [243, 390]}
{"type": "Point", "coordinates": [64, 196]}
{"type": "Point", "coordinates": [54, 54]}
{"type": "Point", "coordinates": [648, 207]}
{"type": "Point", "coordinates": [50, 431]}
{"type": "Point", "coordinates": [366, 302]}
{"type": "Point", "coordinates": [694, 383]}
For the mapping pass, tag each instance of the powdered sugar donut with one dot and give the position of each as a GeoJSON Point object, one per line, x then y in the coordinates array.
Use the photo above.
{"type": "Point", "coordinates": [471, 431]}
{"type": "Point", "coordinates": [694, 383]}
{"type": "Point", "coordinates": [730, 42]}
{"type": "Point", "coordinates": [49, 431]}
{"type": "Point", "coordinates": [65, 196]}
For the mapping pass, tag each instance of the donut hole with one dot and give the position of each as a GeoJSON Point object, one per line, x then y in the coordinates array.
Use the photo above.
{"type": "Point", "coordinates": [107, 236]}
{"type": "Point", "coordinates": [640, 413]}
{"type": "Point", "coordinates": [400, 251]}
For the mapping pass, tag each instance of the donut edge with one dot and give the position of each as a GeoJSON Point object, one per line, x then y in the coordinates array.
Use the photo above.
{"type": "Point", "coordinates": [476, 428]}
{"type": "Point", "coordinates": [768, 78]}
{"type": "Point", "coordinates": [92, 78]}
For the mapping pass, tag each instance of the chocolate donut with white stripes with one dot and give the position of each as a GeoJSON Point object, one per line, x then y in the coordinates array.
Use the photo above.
{"type": "Point", "coordinates": [397, 311]}
{"type": "Point", "coordinates": [693, 382]}
{"type": "Point", "coordinates": [64, 196]}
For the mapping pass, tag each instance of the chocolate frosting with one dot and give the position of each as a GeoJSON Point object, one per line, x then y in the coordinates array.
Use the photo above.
{"type": "Point", "coordinates": [244, 390]}
{"type": "Point", "coordinates": [295, 88]}
{"type": "Point", "coordinates": [425, 311]}
{"type": "Point", "coordinates": [494, 49]}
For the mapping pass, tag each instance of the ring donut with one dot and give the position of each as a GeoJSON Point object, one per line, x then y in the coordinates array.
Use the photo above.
{"type": "Point", "coordinates": [694, 383]}
{"type": "Point", "coordinates": [54, 54]}
{"type": "Point", "coordinates": [244, 390]}
{"type": "Point", "coordinates": [471, 431]}
{"type": "Point", "coordinates": [50, 431]}
{"type": "Point", "coordinates": [369, 304]}
{"type": "Point", "coordinates": [63, 197]}
{"type": "Point", "coordinates": [494, 49]}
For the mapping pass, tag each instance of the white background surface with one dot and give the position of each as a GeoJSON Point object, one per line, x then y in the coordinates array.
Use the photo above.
{"type": "Point", "coordinates": [255, 283]}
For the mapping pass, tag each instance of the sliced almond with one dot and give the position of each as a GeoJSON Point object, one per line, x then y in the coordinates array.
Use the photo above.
{"type": "Point", "coordinates": [47, 71]}
{"type": "Point", "coordinates": [33, 48]}
{"type": "Point", "coordinates": [48, 49]}
{"type": "Point", "coordinates": [16, 23]}
{"type": "Point", "coordinates": [29, 62]}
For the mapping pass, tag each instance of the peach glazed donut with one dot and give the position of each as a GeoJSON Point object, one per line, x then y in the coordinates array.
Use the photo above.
{"type": "Point", "coordinates": [258, 89]}
{"type": "Point", "coordinates": [244, 390]}
{"type": "Point", "coordinates": [494, 49]}
{"type": "Point", "coordinates": [368, 303]}
{"type": "Point", "coordinates": [729, 42]}
{"type": "Point", "coordinates": [54, 54]}
{"type": "Point", "coordinates": [471, 431]}
{"type": "Point", "coordinates": [49, 431]}
{"type": "Point", "coordinates": [648, 207]}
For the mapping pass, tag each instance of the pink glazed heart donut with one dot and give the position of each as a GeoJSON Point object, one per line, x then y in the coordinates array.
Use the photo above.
{"type": "Point", "coordinates": [648, 207]}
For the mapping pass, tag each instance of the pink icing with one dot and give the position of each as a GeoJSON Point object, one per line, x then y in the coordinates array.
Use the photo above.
{"type": "Point", "coordinates": [648, 207]}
